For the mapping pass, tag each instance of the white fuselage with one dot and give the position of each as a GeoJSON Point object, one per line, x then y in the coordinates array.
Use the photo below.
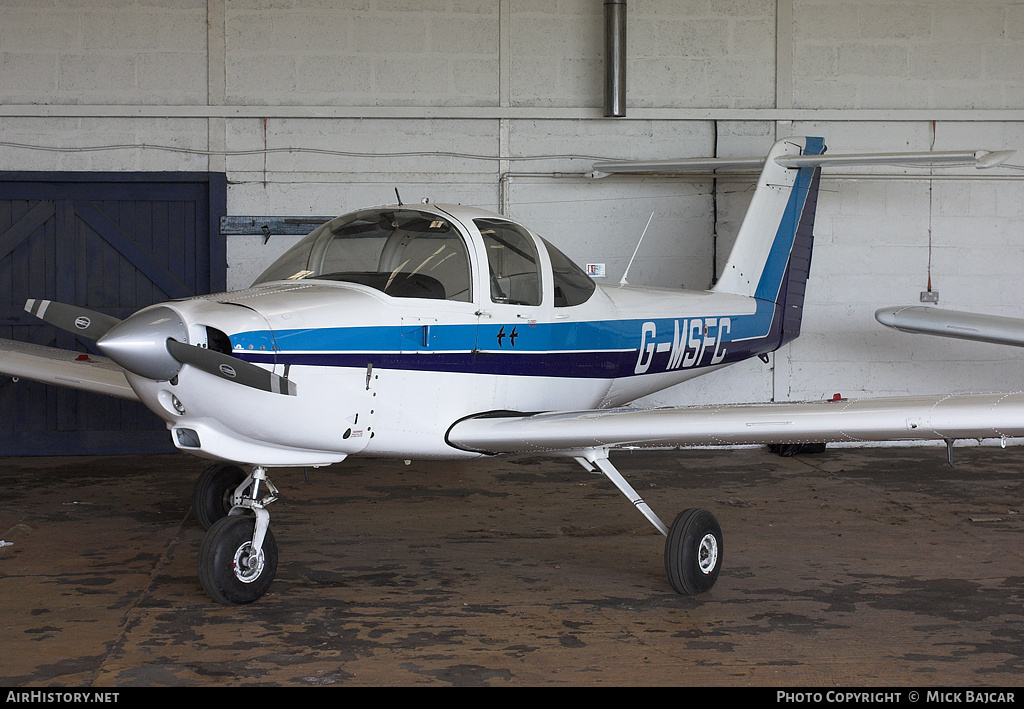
{"type": "Point", "coordinates": [381, 376]}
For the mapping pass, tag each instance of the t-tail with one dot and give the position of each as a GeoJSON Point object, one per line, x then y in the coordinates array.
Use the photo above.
{"type": "Point", "coordinates": [771, 258]}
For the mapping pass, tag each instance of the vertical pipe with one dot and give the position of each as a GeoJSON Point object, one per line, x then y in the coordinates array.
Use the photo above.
{"type": "Point", "coordinates": [615, 58]}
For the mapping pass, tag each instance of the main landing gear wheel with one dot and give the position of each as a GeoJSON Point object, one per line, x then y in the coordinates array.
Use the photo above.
{"type": "Point", "coordinates": [693, 552]}
{"type": "Point", "coordinates": [213, 492]}
{"type": "Point", "coordinates": [228, 570]}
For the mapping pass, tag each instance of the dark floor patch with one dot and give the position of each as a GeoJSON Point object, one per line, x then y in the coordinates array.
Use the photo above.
{"type": "Point", "coordinates": [850, 567]}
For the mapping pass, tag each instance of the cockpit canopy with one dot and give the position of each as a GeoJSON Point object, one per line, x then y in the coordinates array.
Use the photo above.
{"type": "Point", "coordinates": [404, 253]}
{"type": "Point", "coordinates": [408, 253]}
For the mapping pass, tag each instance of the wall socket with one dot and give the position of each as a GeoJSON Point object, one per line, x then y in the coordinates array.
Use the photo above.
{"type": "Point", "coordinates": [929, 296]}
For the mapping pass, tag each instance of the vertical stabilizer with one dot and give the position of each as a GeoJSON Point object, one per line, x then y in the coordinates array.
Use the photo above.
{"type": "Point", "coordinates": [771, 258]}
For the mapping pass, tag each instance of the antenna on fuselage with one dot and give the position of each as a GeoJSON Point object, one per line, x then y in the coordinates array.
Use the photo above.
{"type": "Point", "coordinates": [622, 281]}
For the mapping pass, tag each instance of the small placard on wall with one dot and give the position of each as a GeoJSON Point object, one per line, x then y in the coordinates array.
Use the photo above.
{"type": "Point", "coordinates": [595, 270]}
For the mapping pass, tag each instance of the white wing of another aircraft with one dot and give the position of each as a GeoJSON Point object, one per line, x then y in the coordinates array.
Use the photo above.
{"type": "Point", "coordinates": [926, 320]}
{"type": "Point", "coordinates": [444, 331]}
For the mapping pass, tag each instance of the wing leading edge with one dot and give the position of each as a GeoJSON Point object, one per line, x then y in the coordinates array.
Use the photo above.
{"type": "Point", "coordinates": [64, 368]}
{"type": "Point", "coordinates": [945, 417]}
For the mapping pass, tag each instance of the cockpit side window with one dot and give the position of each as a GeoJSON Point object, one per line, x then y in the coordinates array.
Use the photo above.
{"type": "Point", "coordinates": [514, 269]}
{"type": "Point", "coordinates": [404, 253]}
{"type": "Point", "coordinates": [572, 285]}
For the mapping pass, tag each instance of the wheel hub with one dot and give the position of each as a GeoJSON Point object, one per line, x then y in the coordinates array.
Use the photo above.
{"type": "Point", "coordinates": [707, 554]}
{"type": "Point", "coordinates": [247, 566]}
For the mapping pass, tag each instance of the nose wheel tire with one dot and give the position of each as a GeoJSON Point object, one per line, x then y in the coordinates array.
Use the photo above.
{"type": "Point", "coordinates": [229, 571]}
{"type": "Point", "coordinates": [693, 552]}
{"type": "Point", "coordinates": [211, 496]}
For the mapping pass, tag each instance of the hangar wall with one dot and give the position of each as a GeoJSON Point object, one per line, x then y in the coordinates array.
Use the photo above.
{"type": "Point", "coordinates": [314, 107]}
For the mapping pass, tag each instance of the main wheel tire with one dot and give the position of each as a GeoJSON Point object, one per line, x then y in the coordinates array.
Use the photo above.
{"type": "Point", "coordinates": [228, 571]}
{"type": "Point", "coordinates": [211, 496]}
{"type": "Point", "coordinates": [693, 552]}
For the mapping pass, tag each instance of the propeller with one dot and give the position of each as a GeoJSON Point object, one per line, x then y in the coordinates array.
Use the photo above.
{"type": "Point", "coordinates": [231, 368]}
{"type": "Point", "coordinates": [76, 320]}
{"type": "Point", "coordinates": [153, 343]}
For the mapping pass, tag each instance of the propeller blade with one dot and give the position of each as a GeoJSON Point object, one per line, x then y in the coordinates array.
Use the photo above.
{"type": "Point", "coordinates": [230, 368]}
{"type": "Point", "coordinates": [80, 321]}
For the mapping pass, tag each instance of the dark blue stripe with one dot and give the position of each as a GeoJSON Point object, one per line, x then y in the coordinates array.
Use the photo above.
{"type": "Point", "coordinates": [580, 365]}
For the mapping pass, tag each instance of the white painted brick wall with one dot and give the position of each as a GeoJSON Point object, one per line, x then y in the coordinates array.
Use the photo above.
{"type": "Point", "coordinates": [697, 53]}
{"type": "Point", "coordinates": [362, 53]}
{"type": "Point", "coordinates": [907, 54]}
{"type": "Point", "coordinates": [100, 52]}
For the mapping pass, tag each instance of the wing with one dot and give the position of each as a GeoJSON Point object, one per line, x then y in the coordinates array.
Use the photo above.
{"type": "Point", "coordinates": [64, 368]}
{"type": "Point", "coordinates": [946, 418]}
{"type": "Point", "coordinates": [952, 323]}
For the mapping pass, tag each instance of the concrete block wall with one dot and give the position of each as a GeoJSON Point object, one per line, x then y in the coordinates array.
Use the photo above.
{"type": "Point", "coordinates": [316, 107]}
{"type": "Point", "coordinates": [103, 52]}
{"type": "Point", "coordinates": [914, 54]}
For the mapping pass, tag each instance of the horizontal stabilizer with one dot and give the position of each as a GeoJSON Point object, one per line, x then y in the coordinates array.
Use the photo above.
{"type": "Point", "coordinates": [64, 368]}
{"type": "Point", "coordinates": [951, 323]}
{"type": "Point", "coordinates": [981, 159]}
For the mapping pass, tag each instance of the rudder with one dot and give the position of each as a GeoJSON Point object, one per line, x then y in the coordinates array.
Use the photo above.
{"type": "Point", "coordinates": [771, 258]}
{"type": "Point", "coordinates": [759, 257]}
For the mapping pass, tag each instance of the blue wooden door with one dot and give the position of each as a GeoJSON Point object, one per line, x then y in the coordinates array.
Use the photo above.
{"type": "Point", "coordinates": [112, 243]}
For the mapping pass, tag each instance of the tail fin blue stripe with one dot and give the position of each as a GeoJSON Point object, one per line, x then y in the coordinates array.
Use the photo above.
{"type": "Point", "coordinates": [769, 286]}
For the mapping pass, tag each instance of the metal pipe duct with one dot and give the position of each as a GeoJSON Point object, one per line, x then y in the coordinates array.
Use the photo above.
{"type": "Point", "coordinates": [615, 58]}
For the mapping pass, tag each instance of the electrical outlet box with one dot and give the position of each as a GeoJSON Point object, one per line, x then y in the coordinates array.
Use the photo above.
{"type": "Point", "coordinates": [929, 296]}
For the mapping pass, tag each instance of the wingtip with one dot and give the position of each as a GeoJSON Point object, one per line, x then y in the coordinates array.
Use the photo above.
{"type": "Point", "coordinates": [993, 159]}
{"type": "Point", "coordinates": [887, 316]}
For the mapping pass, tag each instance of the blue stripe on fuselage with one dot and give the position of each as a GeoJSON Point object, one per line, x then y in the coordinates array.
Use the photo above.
{"type": "Point", "coordinates": [602, 349]}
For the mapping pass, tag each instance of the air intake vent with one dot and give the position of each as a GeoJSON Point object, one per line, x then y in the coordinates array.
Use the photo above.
{"type": "Point", "coordinates": [217, 341]}
{"type": "Point", "coordinates": [187, 438]}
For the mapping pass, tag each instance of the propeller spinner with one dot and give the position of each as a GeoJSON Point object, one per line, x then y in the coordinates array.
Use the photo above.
{"type": "Point", "coordinates": [138, 343]}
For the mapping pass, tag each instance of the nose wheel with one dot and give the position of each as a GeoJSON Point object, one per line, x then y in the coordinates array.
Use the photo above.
{"type": "Point", "coordinates": [231, 569]}
{"type": "Point", "coordinates": [238, 557]}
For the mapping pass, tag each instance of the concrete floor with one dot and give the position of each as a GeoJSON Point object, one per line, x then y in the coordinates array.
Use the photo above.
{"type": "Point", "coordinates": [854, 567]}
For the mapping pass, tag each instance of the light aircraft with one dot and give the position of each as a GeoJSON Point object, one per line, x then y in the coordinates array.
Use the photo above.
{"type": "Point", "coordinates": [443, 331]}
